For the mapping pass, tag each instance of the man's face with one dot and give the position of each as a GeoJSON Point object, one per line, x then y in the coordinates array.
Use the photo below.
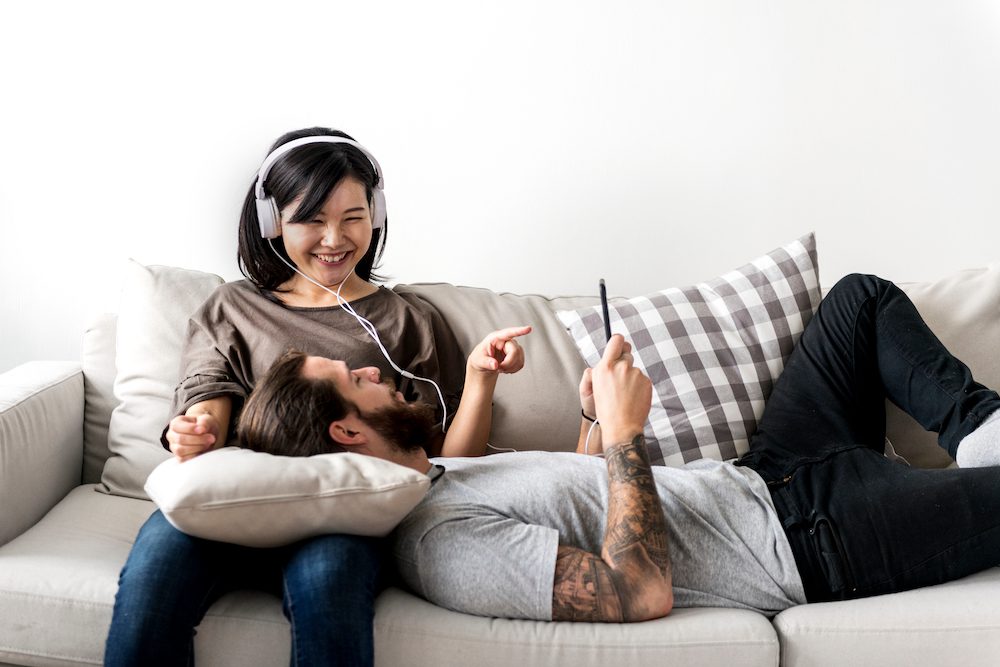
{"type": "Point", "coordinates": [363, 386]}
{"type": "Point", "coordinates": [405, 426]}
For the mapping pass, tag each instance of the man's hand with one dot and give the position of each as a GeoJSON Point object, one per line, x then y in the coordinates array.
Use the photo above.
{"type": "Point", "coordinates": [622, 393]}
{"type": "Point", "coordinates": [499, 352]}
{"type": "Point", "coordinates": [587, 394]}
{"type": "Point", "coordinates": [191, 435]}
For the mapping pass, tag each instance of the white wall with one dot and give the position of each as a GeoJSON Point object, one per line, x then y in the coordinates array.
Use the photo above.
{"type": "Point", "coordinates": [528, 146]}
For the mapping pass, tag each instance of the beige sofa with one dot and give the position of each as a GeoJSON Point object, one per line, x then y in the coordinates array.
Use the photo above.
{"type": "Point", "coordinates": [62, 542]}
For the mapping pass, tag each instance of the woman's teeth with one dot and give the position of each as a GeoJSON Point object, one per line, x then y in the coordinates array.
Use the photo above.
{"type": "Point", "coordinates": [332, 258]}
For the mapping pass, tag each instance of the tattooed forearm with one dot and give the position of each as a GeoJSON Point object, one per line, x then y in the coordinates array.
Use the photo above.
{"type": "Point", "coordinates": [631, 580]}
{"type": "Point", "coordinates": [635, 516]}
{"type": "Point", "coordinates": [584, 588]}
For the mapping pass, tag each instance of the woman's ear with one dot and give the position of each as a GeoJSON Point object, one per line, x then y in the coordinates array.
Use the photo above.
{"type": "Point", "coordinates": [348, 432]}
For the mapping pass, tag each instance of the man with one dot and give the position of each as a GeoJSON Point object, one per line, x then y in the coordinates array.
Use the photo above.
{"type": "Point", "coordinates": [813, 512]}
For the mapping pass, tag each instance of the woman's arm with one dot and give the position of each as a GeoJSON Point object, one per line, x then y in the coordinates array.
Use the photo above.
{"type": "Point", "coordinates": [497, 353]}
{"type": "Point", "coordinates": [203, 426]}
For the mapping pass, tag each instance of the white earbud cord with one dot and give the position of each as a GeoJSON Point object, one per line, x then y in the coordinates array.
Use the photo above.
{"type": "Point", "coordinates": [586, 443]}
{"type": "Point", "coordinates": [369, 329]}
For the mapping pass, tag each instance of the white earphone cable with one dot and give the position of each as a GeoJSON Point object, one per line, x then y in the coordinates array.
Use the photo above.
{"type": "Point", "coordinates": [586, 443]}
{"type": "Point", "coordinates": [369, 329]}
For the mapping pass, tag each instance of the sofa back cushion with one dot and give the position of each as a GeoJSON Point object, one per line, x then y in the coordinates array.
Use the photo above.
{"type": "Point", "coordinates": [97, 360]}
{"type": "Point", "coordinates": [963, 309]}
{"type": "Point", "coordinates": [537, 408]}
{"type": "Point", "coordinates": [152, 322]}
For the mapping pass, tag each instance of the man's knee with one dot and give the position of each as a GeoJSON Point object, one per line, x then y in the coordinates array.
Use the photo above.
{"type": "Point", "coordinates": [858, 283]}
{"type": "Point", "coordinates": [856, 287]}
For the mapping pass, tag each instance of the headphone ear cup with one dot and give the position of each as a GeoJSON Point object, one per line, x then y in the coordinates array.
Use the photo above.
{"type": "Point", "coordinates": [269, 218]}
{"type": "Point", "coordinates": [378, 209]}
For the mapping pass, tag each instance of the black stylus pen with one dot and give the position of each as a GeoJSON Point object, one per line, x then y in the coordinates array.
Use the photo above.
{"type": "Point", "coordinates": [604, 310]}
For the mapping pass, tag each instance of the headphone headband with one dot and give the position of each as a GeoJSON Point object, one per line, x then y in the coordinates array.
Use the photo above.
{"type": "Point", "coordinates": [267, 209]}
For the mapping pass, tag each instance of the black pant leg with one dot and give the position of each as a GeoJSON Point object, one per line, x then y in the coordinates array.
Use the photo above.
{"type": "Point", "coordinates": [866, 342]}
{"type": "Point", "coordinates": [861, 525]}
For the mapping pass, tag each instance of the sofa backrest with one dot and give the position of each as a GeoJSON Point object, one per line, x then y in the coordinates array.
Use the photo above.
{"type": "Point", "coordinates": [538, 408]}
{"type": "Point", "coordinates": [98, 363]}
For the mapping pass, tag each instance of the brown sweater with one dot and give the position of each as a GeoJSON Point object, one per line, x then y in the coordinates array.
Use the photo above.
{"type": "Point", "coordinates": [240, 330]}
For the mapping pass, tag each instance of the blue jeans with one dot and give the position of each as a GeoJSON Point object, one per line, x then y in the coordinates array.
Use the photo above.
{"type": "Point", "coordinates": [327, 584]}
{"type": "Point", "coordinates": [858, 523]}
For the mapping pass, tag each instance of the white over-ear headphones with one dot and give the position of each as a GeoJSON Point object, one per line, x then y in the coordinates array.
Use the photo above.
{"type": "Point", "coordinates": [267, 209]}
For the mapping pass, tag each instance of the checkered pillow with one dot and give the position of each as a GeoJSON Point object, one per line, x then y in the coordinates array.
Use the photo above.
{"type": "Point", "coordinates": [712, 350]}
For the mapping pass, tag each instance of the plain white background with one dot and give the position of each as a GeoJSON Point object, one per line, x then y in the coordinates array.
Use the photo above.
{"type": "Point", "coordinates": [527, 146]}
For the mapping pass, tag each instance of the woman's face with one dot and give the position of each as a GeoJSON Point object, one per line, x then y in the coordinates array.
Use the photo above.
{"type": "Point", "coordinates": [328, 246]}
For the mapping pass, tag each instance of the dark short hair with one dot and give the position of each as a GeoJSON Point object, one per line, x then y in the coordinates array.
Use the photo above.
{"type": "Point", "coordinates": [309, 171]}
{"type": "Point", "coordinates": [288, 414]}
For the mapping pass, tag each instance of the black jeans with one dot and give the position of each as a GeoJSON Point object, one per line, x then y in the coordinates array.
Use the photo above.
{"type": "Point", "coordinates": [858, 523]}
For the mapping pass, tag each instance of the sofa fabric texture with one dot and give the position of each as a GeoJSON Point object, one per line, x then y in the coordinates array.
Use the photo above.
{"type": "Point", "coordinates": [63, 543]}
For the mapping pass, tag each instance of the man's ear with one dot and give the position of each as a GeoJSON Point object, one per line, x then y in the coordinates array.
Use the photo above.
{"type": "Point", "coordinates": [348, 432]}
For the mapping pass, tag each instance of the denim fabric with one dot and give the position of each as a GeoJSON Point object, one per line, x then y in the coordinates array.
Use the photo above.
{"type": "Point", "coordinates": [858, 523]}
{"type": "Point", "coordinates": [327, 583]}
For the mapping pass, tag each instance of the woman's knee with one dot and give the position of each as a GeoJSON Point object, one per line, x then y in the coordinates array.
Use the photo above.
{"type": "Point", "coordinates": [336, 562]}
{"type": "Point", "coordinates": [166, 564]}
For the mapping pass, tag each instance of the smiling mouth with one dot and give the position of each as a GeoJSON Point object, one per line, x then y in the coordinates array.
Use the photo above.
{"type": "Point", "coordinates": [332, 259]}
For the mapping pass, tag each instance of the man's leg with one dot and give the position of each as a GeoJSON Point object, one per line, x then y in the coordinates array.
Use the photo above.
{"type": "Point", "coordinates": [866, 342]}
{"type": "Point", "coordinates": [330, 584]}
{"type": "Point", "coordinates": [169, 580]}
{"type": "Point", "coordinates": [862, 525]}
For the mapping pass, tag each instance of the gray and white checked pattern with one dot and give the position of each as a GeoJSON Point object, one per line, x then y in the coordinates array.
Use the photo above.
{"type": "Point", "coordinates": [712, 350]}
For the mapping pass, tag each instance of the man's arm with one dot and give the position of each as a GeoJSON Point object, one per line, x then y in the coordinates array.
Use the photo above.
{"type": "Point", "coordinates": [631, 579]}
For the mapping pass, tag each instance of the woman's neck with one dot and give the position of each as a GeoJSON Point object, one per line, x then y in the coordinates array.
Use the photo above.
{"type": "Point", "coordinates": [301, 293]}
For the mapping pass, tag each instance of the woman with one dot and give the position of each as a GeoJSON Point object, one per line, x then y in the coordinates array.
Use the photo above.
{"type": "Point", "coordinates": [309, 286]}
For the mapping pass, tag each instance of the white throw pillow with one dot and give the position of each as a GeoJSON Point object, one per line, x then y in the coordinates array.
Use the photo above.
{"type": "Point", "coordinates": [261, 500]}
{"type": "Point", "coordinates": [155, 306]}
{"type": "Point", "coordinates": [712, 350]}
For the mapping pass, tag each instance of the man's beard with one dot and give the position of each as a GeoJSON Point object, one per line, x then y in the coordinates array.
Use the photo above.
{"type": "Point", "coordinates": [407, 426]}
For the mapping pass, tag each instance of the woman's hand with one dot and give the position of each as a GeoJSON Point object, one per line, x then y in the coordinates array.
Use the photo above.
{"type": "Point", "coordinates": [499, 352]}
{"type": "Point", "coordinates": [191, 435]}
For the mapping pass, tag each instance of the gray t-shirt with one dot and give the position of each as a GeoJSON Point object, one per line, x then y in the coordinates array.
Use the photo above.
{"type": "Point", "coordinates": [484, 539]}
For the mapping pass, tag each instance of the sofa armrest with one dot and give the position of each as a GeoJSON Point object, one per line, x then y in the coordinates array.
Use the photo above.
{"type": "Point", "coordinates": [41, 441]}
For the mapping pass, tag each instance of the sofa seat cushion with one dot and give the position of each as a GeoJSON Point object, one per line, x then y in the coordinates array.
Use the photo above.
{"type": "Point", "coordinates": [411, 631]}
{"type": "Point", "coordinates": [58, 583]}
{"type": "Point", "coordinates": [953, 623]}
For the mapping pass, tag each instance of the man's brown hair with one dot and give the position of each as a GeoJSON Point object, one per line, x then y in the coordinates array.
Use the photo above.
{"type": "Point", "coordinates": [288, 414]}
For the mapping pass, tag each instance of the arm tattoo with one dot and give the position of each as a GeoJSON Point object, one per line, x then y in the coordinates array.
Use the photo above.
{"type": "Point", "coordinates": [592, 588]}
{"type": "Point", "coordinates": [584, 588]}
{"type": "Point", "coordinates": [635, 516]}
